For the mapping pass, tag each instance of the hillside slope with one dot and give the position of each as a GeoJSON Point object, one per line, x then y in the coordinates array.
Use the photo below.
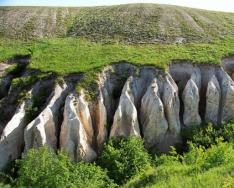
{"type": "Point", "coordinates": [133, 23]}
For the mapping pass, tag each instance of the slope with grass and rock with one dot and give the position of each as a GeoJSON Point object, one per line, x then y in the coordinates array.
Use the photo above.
{"type": "Point", "coordinates": [76, 80]}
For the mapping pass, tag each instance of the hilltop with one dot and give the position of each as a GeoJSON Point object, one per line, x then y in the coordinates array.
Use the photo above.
{"type": "Point", "coordinates": [133, 23]}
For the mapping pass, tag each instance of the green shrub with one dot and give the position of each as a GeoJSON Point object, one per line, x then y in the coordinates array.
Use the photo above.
{"type": "Point", "coordinates": [207, 134]}
{"type": "Point", "coordinates": [227, 131]}
{"type": "Point", "coordinates": [204, 135]}
{"type": "Point", "coordinates": [218, 154]}
{"type": "Point", "coordinates": [43, 168]}
{"type": "Point", "coordinates": [124, 158]}
{"type": "Point", "coordinates": [199, 167]}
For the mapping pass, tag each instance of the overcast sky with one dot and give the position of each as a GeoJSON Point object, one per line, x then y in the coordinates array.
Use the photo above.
{"type": "Point", "coordinates": [220, 5]}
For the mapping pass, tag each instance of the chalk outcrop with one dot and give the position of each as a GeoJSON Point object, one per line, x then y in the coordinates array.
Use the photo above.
{"type": "Point", "coordinates": [191, 99]}
{"type": "Point", "coordinates": [76, 131]}
{"type": "Point", "coordinates": [213, 96]}
{"type": "Point", "coordinates": [12, 138]}
{"type": "Point", "coordinates": [228, 97]}
{"type": "Point", "coordinates": [43, 130]}
{"type": "Point", "coordinates": [171, 103]}
{"type": "Point", "coordinates": [100, 121]}
{"type": "Point", "coordinates": [153, 121]}
{"type": "Point", "coordinates": [125, 119]}
{"type": "Point", "coordinates": [131, 101]}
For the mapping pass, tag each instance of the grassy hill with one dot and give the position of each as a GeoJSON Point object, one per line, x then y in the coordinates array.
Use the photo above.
{"type": "Point", "coordinates": [133, 23]}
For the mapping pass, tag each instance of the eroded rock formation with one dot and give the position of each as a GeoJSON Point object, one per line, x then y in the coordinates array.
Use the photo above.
{"type": "Point", "coordinates": [76, 132]}
{"type": "Point", "coordinates": [12, 138]}
{"type": "Point", "coordinates": [43, 130]}
{"type": "Point", "coordinates": [191, 99]}
{"type": "Point", "coordinates": [132, 101]}
{"type": "Point", "coordinates": [213, 95]}
{"type": "Point", "coordinates": [125, 119]}
{"type": "Point", "coordinates": [154, 124]}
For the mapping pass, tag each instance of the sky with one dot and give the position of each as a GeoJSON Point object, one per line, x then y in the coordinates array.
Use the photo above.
{"type": "Point", "coordinates": [218, 5]}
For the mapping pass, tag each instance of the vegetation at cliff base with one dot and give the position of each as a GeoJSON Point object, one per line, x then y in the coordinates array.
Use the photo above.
{"type": "Point", "coordinates": [204, 162]}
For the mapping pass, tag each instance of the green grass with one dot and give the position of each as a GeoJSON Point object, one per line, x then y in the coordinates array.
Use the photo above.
{"type": "Point", "coordinates": [132, 23]}
{"type": "Point", "coordinates": [70, 55]}
{"type": "Point", "coordinates": [179, 175]}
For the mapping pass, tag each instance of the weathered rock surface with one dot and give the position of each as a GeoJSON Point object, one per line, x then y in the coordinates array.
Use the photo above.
{"type": "Point", "coordinates": [227, 98]}
{"type": "Point", "coordinates": [213, 96]}
{"type": "Point", "coordinates": [191, 99]}
{"type": "Point", "coordinates": [12, 138]}
{"type": "Point", "coordinates": [125, 119]}
{"type": "Point", "coordinates": [75, 136]}
{"type": "Point", "coordinates": [100, 121]}
{"type": "Point", "coordinates": [131, 99]}
{"type": "Point", "coordinates": [84, 115]}
{"type": "Point", "coordinates": [43, 130]}
{"type": "Point", "coordinates": [171, 103]}
{"type": "Point", "coordinates": [153, 121]}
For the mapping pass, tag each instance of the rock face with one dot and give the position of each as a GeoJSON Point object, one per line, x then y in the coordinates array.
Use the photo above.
{"type": "Point", "coordinates": [213, 96]}
{"type": "Point", "coordinates": [76, 131]}
{"type": "Point", "coordinates": [171, 103]}
{"type": "Point", "coordinates": [132, 101]}
{"type": "Point", "coordinates": [12, 138]}
{"type": "Point", "coordinates": [227, 98]}
{"type": "Point", "coordinates": [191, 103]}
{"type": "Point", "coordinates": [153, 121]}
{"type": "Point", "coordinates": [43, 130]}
{"type": "Point", "coordinates": [100, 121]}
{"type": "Point", "coordinates": [125, 119]}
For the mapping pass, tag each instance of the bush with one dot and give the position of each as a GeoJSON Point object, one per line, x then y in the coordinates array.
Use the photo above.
{"type": "Point", "coordinates": [124, 158]}
{"type": "Point", "coordinates": [43, 168]}
{"type": "Point", "coordinates": [218, 154]}
{"type": "Point", "coordinates": [206, 135]}
{"type": "Point", "coordinates": [227, 131]}
{"type": "Point", "coordinates": [199, 167]}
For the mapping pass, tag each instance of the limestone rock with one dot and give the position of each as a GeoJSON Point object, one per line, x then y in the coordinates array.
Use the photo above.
{"type": "Point", "coordinates": [213, 95]}
{"type": "Point", "coordinates": [153, 121]}
{"type": "Point", "coordinates": [74, 138]}
{"type": "Point", "coordinates": [196, 77]}
{"type": "Point", "coordinates": [12, 138]}
{"type": "Point", "coordinates": [191, 99]}
{"type": "Point", "coordinates": [84, 115]}
{"type": "Point", "coordinates": [43, 129]}
{"type": "Point", "coordinates": [125, 119]}
{"type": "Point", "coordinates": [228, 97]}
{"type": "Point", "coordinates": [171, 103]}
{"type": "Point", "coordinates": [100, 122]}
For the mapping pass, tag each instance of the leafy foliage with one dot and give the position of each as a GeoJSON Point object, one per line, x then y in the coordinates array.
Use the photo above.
{"type": "Point", "coordinates": [124, 158]}
{"type": "Point", "coordinates": [207, 134]}
{"type": "Point", "coordinates": [199, 167]}
{"type": "Point", "coordinates": [43, 168]}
